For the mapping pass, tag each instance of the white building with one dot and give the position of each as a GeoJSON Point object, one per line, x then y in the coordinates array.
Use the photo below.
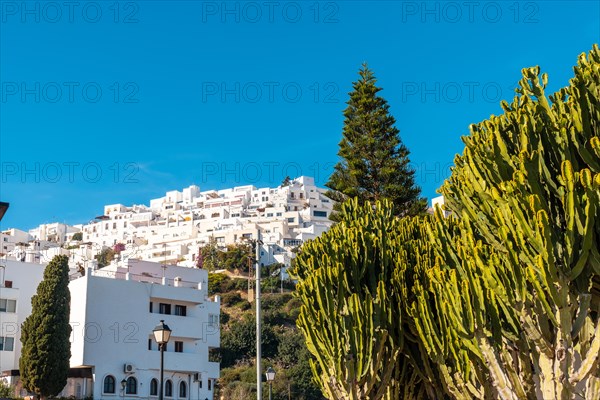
{"type": "Point", "coordinates": [113, 318]}
{"type": "Point", "coordinates": [438, 202]}
{"type": "Point", "coordinates": [113, 312]}
{"type": "Point", "coordinates": [173, 228]}
{"type": "Point", "coordinates": [18, 283]}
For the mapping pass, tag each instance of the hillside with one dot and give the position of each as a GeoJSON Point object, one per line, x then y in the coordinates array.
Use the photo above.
{"type": "Point", "coordinates": [283, 346]}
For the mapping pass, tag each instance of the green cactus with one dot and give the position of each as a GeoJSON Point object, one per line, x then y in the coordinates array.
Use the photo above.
{"type": "Point", "coordinates": [526, 190]}
{"type": "Point", "coordinates": [351, 316]}
{"type": "Point", "coordinates": [500, 300]}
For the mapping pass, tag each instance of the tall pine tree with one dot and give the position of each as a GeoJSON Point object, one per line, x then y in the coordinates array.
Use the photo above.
{"type": "Point", "coordinates": [374, 163]}
{"type": "Point", "coordinates": [44, 362]}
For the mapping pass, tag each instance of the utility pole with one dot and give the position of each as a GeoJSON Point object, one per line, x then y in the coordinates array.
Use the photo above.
{"type": "Point", "coordinates": [258, 317]}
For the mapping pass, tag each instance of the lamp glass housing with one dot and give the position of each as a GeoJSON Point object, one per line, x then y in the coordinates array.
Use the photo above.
{"type": "Point", "coordinates": [162, 333]}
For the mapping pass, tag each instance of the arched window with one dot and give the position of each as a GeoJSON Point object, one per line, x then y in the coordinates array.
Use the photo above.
{"type": "Point", "coordinates": [153, 387]}
{"type": "Point", "coordinates": [109, 384]}
{"type": "Point", "coordinates": [182, 389]}
{"type": "Point", "coordinates": [168, 388]}
{"type": "Point", "coordinates": [131, 386]}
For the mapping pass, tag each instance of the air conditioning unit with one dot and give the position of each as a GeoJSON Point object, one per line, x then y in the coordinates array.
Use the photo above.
{"type": "Point", "coordinates": [129, 368]}
{"type": "Point", "coordinates": [197, 377]}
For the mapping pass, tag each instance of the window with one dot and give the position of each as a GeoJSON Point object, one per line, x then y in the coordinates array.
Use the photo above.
{"type": "Point", "coordinates": [150, 307]}
{"type": "Point", "coordinates": [320, 213]}
{"type": "Point", "coordinates": [213, 320]}
{"type": "Point", "coordinates": [149, 344]}
{"type": "Point", "coordinates": [131, 386]}
{"type": "Point", "coordinates": [180, 310]}
{"type": "Point", "coordinates": [291, 220]}
{"type": "Point", "coordinates": [178, 347]}
{"type": "Point", "coordinates": [278, 214]}
{"type": "Point", "coordinates": [8, 305]}
{"type": "Point", "coordinates": [168, 388]}
{"type": "Point", "coordinates": [210, 384]}
{"type": "Point", "coordinates": [153, 387]}
{"type": "Point", "coordinates": [109, 384]}
{"type": "Point", "coordinates": [182, 389]}
{"type": "Point", "coordinates": [7, 343]}
{"type": "Point", "coordinates": [164, 308]}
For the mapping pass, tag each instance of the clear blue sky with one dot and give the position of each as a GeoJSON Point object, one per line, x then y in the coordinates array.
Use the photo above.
{"type": "Point", "coordinates": [117, 102]}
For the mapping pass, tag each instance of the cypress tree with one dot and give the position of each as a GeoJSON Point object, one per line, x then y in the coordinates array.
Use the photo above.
{"type": "Point", "coordinates": [44, 362]}
{"type": "Point", "coordinates": [374, 162]}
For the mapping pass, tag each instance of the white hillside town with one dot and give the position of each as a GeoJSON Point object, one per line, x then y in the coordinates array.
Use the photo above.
{"type": "Point", "coordinates": [172, 228]}
{"type": "Point", "coordinates": [113, 313]}
{"type": "Point", "coordinates": [155, 277]}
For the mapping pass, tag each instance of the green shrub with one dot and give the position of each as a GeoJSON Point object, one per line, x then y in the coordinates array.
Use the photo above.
{"type": "Point", "coordinates": [216, 283]}
{"type": "Point", "coordinates": [224, 318]}
{"type": "Point", "coordinates": [240, 284]}
{"type": "Point", "coordinates": [230, 298]}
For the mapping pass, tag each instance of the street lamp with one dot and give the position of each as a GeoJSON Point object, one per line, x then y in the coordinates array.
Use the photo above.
{"type": "Point", "coordinates": [123, 384]}
{"type": "Point", "coordinates": [162, 334]}
{"type": "Point", "coordinates": [270, 378]}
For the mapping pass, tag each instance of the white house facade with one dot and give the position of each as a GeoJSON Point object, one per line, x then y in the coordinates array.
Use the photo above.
{"type": "Point", "coordinates": [113, 313]}
{"type": "Point", "coordinates": [113, 318]}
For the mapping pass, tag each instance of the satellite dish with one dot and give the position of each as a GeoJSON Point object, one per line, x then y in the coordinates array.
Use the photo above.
{"type": "Point", "coordinates": [276, 272]}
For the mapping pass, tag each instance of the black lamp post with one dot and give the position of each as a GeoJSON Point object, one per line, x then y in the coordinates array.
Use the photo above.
{"type": "Point", "coordinates": [270, 378]}
{"type": "Point", "coordinates": [162, 334]}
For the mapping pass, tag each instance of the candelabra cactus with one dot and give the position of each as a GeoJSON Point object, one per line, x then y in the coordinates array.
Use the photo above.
{"type": "Point", "coordinates": [351, 316]}
{"type": "Point", "coordinates": [500, 300]}
{"type": "Point", "coordinates": [528, 186]}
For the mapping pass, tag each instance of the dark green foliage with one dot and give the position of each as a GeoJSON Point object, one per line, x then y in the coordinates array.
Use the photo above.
{"type": "Point", "coordinates": [221, 283]}
{"type": "Point", "coordinates": [224, 318]}
{"type": "Point", "coordinates": [290, 345]}
{"type": "Point", "coordinates": [239, 342]}
{"type": "Point", "coordinates": [236, 257]}
{"type": "Point", "coordinates": [44, 361]}
{"type": "Point", "coordinates": [105, 257]}
{"type": "Point", "coordinates": [233, 257]}
{"type": "Point", "coordinates": [239, 284]}
{"type": "Point", "coordinates": [78, 236]}
{"type": "Point", "coordinates": [286, 182]}
{"type": "Point", "coordinates": [374, 162]}
{"type": "Point", "coordinates": [274, 312]}
{"type": "Point", "coordinates": [216, 282]}
{"type": "Point", "coordinates": [283, 348]}
{"type": "Point", "coordinates": [208, 256]}
{"type": "Point", "coordinates": [275, 302]}
{"type": "Point", "coordinates": [230, 298]}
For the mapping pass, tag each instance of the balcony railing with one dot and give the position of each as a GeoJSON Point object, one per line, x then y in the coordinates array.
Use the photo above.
{"type": "Point", "coordinates": [146, 278]}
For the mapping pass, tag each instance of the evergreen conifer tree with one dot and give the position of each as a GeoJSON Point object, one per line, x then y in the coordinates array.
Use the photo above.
{"type": "Point", "coordinates": [44, 362]}
{"type": "Point", "coordinates": [374, 162]}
